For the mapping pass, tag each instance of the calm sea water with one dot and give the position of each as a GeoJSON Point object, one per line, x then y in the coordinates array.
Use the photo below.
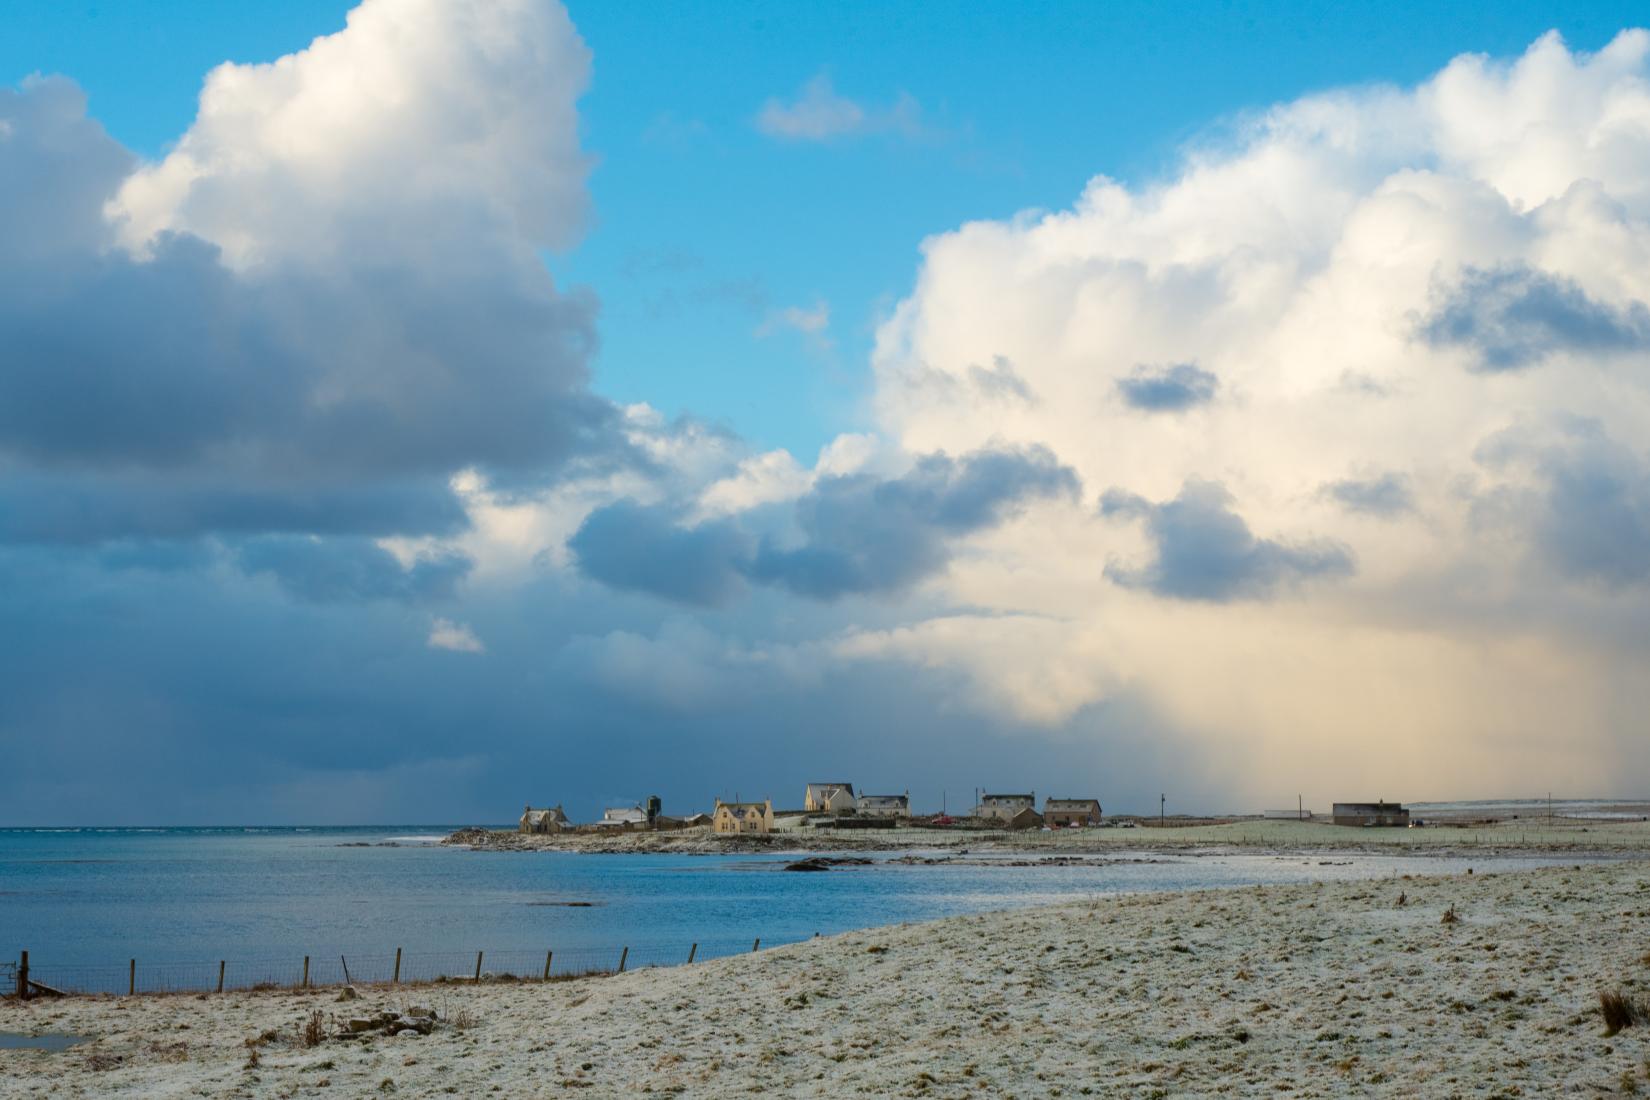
{"type": "Point", "coordinates": [98, 897]}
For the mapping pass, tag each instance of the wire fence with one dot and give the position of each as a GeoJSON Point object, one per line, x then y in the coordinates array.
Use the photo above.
{"type": "Point", "coordinates": [397, 967]}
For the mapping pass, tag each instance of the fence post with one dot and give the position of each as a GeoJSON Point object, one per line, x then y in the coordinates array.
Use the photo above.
{"type": "Point", "coordinates": [692, 951]}
{"type": "Point", "coordinates": [131, 978]}
{"type": "Point", "coordinates": [755, 945]}
{"type": "Point", "coordinates": [547, 956]}
{"type": "Point", "coordinates": [397, 979]}
{"type": "Point", "coordinates": [220, 975]}
{"type": "Point", "coordinates": [345, 965]}
{"type": "Point", "coordinates": [478, 966]}
{"type": "Point", "coordinates": [306, 972]}
{"type": "Point", "coordinates": [623, 955]}
{"type": "Point", "coordinates": [23, 977]}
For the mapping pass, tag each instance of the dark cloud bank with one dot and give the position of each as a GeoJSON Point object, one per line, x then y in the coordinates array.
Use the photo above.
{"type": "Point", "coordinates": [1515, 317]}
{"type": "Point", "coordinates": [860, 534]}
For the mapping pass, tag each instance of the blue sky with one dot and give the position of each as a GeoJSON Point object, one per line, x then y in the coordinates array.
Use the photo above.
{"type": "Point", "coordinates": [1308, 452]}
{"type": "Point", "coordinates": [703, 226]}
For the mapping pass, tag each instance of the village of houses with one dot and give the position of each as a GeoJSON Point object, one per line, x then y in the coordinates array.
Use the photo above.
{"type": "Point", "coordinates": [829, 805]}
{"type": "Point", "coordinates": [836, 806]}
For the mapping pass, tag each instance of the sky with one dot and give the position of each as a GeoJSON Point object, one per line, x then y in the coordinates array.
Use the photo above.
{"type": "Point", "coordinates": [413, 411]}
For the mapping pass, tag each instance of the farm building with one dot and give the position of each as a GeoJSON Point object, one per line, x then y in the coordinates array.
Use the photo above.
{"type": "Point", "coordinates": [1370, 813]}
{"type": "Point", "coordinates": [1059, 812]}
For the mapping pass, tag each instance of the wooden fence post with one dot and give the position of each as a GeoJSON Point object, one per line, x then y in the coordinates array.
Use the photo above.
{"type": "Point", "coordinates": [397, 979]}
{"type": "Point", "coordinates": [478, 966]}
{"type": "Point", "coordinates": [220, 975]}
{"type": "Point", "coordinates": [131, 978]}
{"type": "Point", "coordinates": [755, 945]}
{"type": "Point", "coordinates": [306, 973]}
{"type": "Point", "coordinates": [547, 957]}
{"type": "Point", "coordinates": [345, 965]}
{"type": "Point", "coordinates": [692, 951]}
{"type": "Point", "coordinates": [23, 977]}
{"type": "Point", "coordinates": [623, 955]}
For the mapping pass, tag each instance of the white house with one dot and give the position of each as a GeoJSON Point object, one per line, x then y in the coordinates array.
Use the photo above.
{"type": "Point", "coordinates": [885, 805]}
{"type": "Point", "coordinates": [620, 816]}
{"type": "Point", "coordinates": [829, 798]}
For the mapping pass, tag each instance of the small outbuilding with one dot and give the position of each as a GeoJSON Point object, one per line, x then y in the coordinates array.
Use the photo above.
{"type": "Point", "coordinates": [743, 817]}
{"type": "Point", "coordinates": [1370, 813]}
{"type": "Point", "coordinates": [1027, 818]}
{"type": "Point", "coordinates": [622, 817]}
{"type": "Point", "coordinates": [1067, 812]}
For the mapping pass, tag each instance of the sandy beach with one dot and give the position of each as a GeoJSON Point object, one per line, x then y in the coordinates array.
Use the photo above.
{"type": "Point", "coordinates": [1475, 985]}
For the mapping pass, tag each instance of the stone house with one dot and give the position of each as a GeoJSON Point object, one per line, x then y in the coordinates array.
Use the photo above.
{"type": "Point", "coordinates": [743, 817]}
{"type": "Point", "coordinates": [552, 820]}
{"type": "Point", "coordinates": [829, 798]}
{"type": "Point", "coordinates": [884, 805]}
{"type": "Point", "coordinates": [1058, 812]}
{"type": "Point", "coordinates": [1003, 807]}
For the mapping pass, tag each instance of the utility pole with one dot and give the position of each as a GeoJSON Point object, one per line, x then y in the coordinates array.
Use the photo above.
{"type": "Point", "coordinates": [1162, 802]}
{"type": "Point", "coordinates": [1300, 807]}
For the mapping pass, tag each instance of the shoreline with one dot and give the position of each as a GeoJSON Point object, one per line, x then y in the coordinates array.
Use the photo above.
{"type": "Point", "coordinates": [1424, 985]}
{"type": "Point", "coordinates": [1628, 839]}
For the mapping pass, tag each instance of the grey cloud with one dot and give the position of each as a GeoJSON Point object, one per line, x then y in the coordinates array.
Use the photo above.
{"type": "Point", "coordinates": [83, 508]}
{"type": "Point", "coordinates": [1168, 389]}
{"type": "Point", "coordinates": [245, 401]}
{"type": "Point", "coordinates": [866, 535]}
{"type": "Point", "coordinates": [1588, 513]}
{"type": "Point", "coordinates": [1513, 317]}
{"type": "Point", "coordinates": [860, 533]}
{"type": "Point", "coordinates": [1386, 496]}
{"type": "Point", "coordinates": [1205, 550]}
{"type": "Point", "coordinates": [643, 548]}
{"type": "Point", "coordinates": [345, 569]}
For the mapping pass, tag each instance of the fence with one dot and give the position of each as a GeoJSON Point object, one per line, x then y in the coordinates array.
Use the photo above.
{"type": "Point", "coordinates": [34, 976]}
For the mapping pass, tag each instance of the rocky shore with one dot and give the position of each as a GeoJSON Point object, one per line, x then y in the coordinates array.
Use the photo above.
{"type": "Point", "coordinates": [1466, 985]}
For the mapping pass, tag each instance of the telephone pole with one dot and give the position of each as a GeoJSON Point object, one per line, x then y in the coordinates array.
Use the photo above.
{"type": "Point", "coordinates": [1162, 802]}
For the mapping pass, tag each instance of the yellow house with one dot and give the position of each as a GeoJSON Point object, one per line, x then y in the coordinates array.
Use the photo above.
{"type": "Point", "coordinates": [743, 817]}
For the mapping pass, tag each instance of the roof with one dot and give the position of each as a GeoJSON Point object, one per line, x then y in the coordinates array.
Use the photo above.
{"type": "Point", "coordinates": [898, 798]}
{"type": "Point", "coordinates": [849, 787]}
{"type": "Point", "coordinates": [1007, 797]}
{"type": "Point", "coordinates": [740, 808]}
{"type": "Point", "coordinates": [1072, 803]}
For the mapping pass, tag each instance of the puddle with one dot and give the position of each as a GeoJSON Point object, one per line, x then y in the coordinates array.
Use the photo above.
{"type": "Point", "coordinates": [11, 1040]}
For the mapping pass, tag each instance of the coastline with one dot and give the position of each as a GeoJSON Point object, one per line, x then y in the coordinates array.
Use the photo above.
{"type": "Point", "coordinates": [1331, 988]}
{"type": "Point", "coordinates": [1581, 836]}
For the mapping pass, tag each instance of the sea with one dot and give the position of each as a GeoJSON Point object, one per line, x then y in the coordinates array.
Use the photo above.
{"type": "Point", "coordinates": [112, 909]}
